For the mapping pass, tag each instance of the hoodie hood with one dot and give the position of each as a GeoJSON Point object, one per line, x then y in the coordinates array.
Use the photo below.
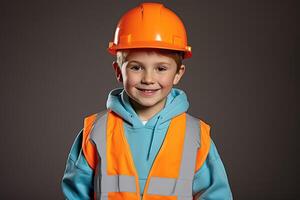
{"type": "Point", "coordinates": [118, 101]}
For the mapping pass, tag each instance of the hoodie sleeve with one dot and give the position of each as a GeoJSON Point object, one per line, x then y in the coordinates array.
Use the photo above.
{"type": "Point", "coordinates": [210, 181]}
{"type": "Point", "coordinates": [77, 181]}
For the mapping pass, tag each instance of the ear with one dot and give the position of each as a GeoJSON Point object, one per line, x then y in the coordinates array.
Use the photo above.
{"type": "Point", "coordinates": [179, 74]}
{"type": "Point", "coordinates": [117, 70]}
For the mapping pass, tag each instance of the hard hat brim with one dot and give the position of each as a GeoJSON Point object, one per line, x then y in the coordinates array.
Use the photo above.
{"type": "Point", "coordinates": [113, 48]}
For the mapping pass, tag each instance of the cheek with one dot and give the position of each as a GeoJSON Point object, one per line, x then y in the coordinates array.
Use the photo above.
{"type": "Point", "coordinates": [167, 81]}
{"type": "Point", "coordinates": [131, 80]}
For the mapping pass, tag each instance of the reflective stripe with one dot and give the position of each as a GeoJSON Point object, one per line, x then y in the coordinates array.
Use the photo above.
{"type": "Point", "coordinates": [185, 198]}
{"type": "Point", "coordinates": [170, 187]}
{"type": "Point", "coordinates": [191, 144]}
{"type": "Point", "coordinates": [119, 183]}
{"type": "Point", "coordinates": [98, 137]}
{"type": "Point", "coordinates": [104, 197]}
{"type": "Point", "coordinates": [162, 186]}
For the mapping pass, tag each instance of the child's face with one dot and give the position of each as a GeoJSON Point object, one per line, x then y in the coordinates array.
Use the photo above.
{"type": "Point", "coordinates": [148, 77]}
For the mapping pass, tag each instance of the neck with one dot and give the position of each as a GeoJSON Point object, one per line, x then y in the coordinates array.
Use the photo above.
{"type": "Point", "coordinates": [146, 113]}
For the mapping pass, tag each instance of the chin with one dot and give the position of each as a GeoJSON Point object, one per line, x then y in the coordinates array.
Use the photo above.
{"type": "Point", "coordinates": [147, 104]}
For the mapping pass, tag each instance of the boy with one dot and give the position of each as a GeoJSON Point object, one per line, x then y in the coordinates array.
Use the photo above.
{"type": "Point", "coordinates": [145, 146]}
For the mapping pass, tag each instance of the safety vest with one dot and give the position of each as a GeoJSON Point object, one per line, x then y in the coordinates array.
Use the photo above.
{"type": "Point", "coordinates": [107, 151]}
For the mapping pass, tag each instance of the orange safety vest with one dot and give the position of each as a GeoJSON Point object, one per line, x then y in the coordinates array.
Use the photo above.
{"type": "Point", "coordinates": [107, 151]}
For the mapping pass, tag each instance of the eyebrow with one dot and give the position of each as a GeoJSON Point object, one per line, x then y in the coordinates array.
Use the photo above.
{"type": "Point", "coordinates": [143, 64]}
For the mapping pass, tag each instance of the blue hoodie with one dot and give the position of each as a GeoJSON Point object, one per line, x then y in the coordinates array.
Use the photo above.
{"type": "Point", "coordinates": [145, 142]}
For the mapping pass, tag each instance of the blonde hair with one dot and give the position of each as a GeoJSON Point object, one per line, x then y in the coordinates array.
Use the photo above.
{"type": "Point", "coordinates": [176, 55]}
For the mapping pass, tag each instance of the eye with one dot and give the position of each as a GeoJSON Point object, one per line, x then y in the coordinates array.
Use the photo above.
{"type": "Point", "coordinates": [135, 67]}
{"type": "Point", "coordinates": [161, 68]}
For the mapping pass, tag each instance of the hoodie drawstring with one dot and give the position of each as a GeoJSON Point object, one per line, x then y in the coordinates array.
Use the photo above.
{"type": "Point", "coordinates": [151, 141]}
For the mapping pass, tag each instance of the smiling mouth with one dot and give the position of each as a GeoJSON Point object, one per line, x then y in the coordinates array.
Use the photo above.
{"type": "Point", "coordinates": [147, 90]}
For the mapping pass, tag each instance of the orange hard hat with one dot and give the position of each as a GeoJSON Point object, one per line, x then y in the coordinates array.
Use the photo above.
{"type": "Point", "coordinates": [150, 25]}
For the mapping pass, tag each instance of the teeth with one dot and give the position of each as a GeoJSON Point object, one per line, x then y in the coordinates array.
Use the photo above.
{"type": "Point", "coordinates": [147, 90]}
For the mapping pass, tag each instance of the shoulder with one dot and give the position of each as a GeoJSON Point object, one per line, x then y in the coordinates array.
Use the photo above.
{"type": "Point", "coordinates": [201, 124]}
{"type": "Point", "coordinates": [203, 139]}
{"type": "Point", "coordinates": [198, 118]}
{"type": "Point", "coordinates": [89, 120]}
{"type": "Point", "coordinates": [88, 147]}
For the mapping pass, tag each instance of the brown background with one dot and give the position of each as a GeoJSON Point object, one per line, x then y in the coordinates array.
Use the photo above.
{"type": "Point", "coordinates": [242, 80]}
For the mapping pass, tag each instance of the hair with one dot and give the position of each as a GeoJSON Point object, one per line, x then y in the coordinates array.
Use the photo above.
{"type": "Point", "coordinates": [176, 55]}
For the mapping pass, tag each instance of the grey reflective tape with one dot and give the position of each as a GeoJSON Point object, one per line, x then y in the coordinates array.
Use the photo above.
{"type": "Point", "coordinates": [193, 128]}
{"type": "Point", "coordinates": [170, 187]}
{"type": "Point", "coordinates": [98, 137]}
{"type": "Point", "coordinates": [104, 197]}
{"type": "Point", "coordinates": [184, 183]}
{"type": "Point", "coordinates": [189, 154]}
{"type": "Point", "coordinates": [127, 183]}
{"type": "Point", "coordinates": [119, 183]}
{"type": "Point", "coordinates": [185, 198]}
{"type": "Point", "coordinates": [184, 188]}
{"type": "Point", "coordinates": [162, 186]}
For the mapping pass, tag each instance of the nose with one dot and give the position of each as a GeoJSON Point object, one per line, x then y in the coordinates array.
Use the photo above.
{"type": "Point", "coordinates": [147, 77]}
